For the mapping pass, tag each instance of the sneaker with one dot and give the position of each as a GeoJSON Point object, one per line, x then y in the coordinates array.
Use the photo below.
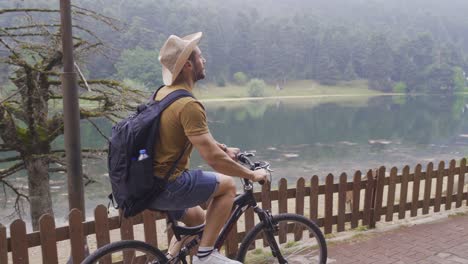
{"type": "Point", "coordinates": [214, 258]}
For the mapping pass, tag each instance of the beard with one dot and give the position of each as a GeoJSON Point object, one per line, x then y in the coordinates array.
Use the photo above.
{"type": "Point", "coordinates": [198, 73]}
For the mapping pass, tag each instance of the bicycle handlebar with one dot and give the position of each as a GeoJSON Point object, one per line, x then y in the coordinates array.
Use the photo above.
{"type": "Point", "coordinates": [243, 158]}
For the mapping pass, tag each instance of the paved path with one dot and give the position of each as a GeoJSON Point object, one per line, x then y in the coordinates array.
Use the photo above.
{"type": "Point", "coordinates": [443, 242]}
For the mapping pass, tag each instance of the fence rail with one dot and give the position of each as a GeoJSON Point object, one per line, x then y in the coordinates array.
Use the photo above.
{"type": "Point", "coordinates": [377, 196]}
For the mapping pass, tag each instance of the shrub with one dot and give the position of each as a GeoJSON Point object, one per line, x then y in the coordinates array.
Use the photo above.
{"type": "Point", "coordinates": [220, 82]}
{"type": "Point", "coordinates": [256, 88]}
{"type": "Point", "coordinates": [240, 78]}
{"type": "Point", "coordinates": [399, 87]}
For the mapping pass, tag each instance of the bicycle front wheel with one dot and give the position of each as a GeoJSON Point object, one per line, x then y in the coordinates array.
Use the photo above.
{"type": "Point", "coordinates": [127, 252]}
{"type": "Point", "coordinates": [298, 239]}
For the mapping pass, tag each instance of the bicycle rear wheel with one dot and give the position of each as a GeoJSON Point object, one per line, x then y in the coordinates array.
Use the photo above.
{"type": "Point", "coordinates": [298, 238]}
{"type": "Point", "coordinates": [127, 252]}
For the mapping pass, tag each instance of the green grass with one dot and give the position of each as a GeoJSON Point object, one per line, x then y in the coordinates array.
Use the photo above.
{"type": "Point", "coordinates": [292, 88]}
{"type": "Point", "coordinates": [361, 228]}
{"type": "Point", "coordinates": [458, 214]}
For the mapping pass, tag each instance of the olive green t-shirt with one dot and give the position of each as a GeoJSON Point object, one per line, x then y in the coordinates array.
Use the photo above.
{"type": "Point", "coordinates": [184, 117]}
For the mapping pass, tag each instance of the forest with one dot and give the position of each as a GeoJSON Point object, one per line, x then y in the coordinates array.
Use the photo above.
{"type": "Point", "coordinates": [398, 46]}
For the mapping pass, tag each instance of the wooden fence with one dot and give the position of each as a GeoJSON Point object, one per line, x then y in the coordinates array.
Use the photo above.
{"type": "Point", "coordinates": [370, 197]}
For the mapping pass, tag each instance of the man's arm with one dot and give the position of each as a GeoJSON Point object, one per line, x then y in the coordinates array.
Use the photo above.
{"type": "Point", "coordinates": [214, 155]}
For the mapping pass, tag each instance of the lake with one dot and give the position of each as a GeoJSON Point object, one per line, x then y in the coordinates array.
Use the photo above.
{"type": "Point", "coordinates": [306, 137]}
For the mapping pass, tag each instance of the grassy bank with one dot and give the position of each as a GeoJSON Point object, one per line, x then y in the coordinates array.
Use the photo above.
{"type": "Point", "coordinates": [292, 88]}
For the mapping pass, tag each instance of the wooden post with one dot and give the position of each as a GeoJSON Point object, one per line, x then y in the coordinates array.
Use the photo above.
{"type": "Point", "coordinates": [403, 192]}
{"type": "Point", "coordinates": [314, 192]}
{"type": "Point", "coordinates": [283, 207]}
{"type": "Point", "coordinates": [19, 242]}
{"type": "Point", "coordinates": [149, 224]}
{"type": "Point", "coordinates": [379, 193]}
{"type": "Point", "coordinates": [440, 179]}
{"type": "Point", "coordinates": [342, 202]}
{"type": "Point", "coordinates": [283, 196]}
{"type": "Point", "coordinates": [369, 198]}
{"type": "Point", "coordinates": [416, 182]}
{"type": "Point", "coordinates": [300, 195]}
{"type": "Point", "coordinates": [101, 224]}
{"type": "Point", "coordinates": [427, 188]}
{"type": "Point", "coordinates": [328, 204]}
{"type": "Point", "coordinates": [231, 242]}
{"type": "Point", "coordinates": [77, 237]}
{"type": "Point", "coordinates": [356, 199]}
{"type": "Point", "coordinates": [391, 194]}
{"type": "Point", "coordinates": [3, 245]}
{"type": "Point", "coordinates": [450, 180]}
{"type": "Point", "coordinates": [48, 239]}
{"type": "Point", "coordinates": [461, 182]}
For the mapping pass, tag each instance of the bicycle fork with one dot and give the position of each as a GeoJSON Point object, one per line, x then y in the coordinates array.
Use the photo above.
{"type": "Point", "coordinates": [270, 228]}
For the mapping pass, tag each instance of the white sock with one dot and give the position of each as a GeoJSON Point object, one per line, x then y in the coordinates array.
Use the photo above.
{"type": "Point", "coordinates": [204, 252]}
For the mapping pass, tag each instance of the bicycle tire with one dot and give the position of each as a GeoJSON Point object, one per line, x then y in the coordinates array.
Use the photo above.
{"type": "Point", "coordinates": [148, 253]}
{"type": "Point", "coordinates": [302, 250]}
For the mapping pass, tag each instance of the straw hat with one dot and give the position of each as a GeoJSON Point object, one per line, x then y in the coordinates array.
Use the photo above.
{"type": "Point", "coordinates": [174, 53]}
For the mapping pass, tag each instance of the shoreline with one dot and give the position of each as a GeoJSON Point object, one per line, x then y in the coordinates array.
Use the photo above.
{"type": "Point", "coordinates": [296, 97]}
{"type": "Point", "coordinates": [228, 99]}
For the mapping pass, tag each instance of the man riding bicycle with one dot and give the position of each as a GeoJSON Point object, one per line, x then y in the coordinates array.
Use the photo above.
{"type": "Point", "coordinates": [183, 126]}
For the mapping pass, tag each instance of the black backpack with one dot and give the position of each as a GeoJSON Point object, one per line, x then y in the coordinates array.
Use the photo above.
{"type": "Point", "coordinates": [133, 182]}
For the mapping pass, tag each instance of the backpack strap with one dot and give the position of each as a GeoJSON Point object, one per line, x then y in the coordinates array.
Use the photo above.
{"type": "Point", "coordinates": [174, 166]}
{"type": "Point", "coordinates": [164, 103]}
{"type": "Point", "coordinates": [153, 95]}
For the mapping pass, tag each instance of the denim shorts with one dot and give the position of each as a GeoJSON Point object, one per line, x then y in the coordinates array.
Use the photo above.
{"type": "Point", "coordinates": [190, 189]}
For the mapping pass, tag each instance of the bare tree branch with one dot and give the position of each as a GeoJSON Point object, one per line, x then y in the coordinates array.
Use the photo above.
{"type": "Point", "coordinates": [10, 159]}
{"type": "Point", "coordinates": [12, 95]}
{"type": "Point", "coordinates": [100, 17]}
{"type": "Point", "coordinates": [22, 10]}
{"type": "Point", "coordinates": [52, 25]}
{"type": "Point", "coordinates": [12, 170]}
{"type": "Point", "coordinates": [98, 129]}
{"type": "Point", "coordinates": [19, 195]}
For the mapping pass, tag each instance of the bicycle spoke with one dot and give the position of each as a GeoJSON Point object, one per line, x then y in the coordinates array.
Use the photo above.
{"type": "Point", "coordinates": [296, 241]}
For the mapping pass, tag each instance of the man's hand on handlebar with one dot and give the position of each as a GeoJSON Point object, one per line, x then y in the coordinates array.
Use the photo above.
{"type": "Point", "coordinates": [260, 175]}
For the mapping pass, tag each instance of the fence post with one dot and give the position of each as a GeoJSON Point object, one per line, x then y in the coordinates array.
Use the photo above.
{"type": "Point", "coordinates": [450, 182]}
{"type": "Point", "coordinates": [342, 202]}
{"type": "Point", "coordinates": [391, 194]}
{"type": "Point", "coordinates": [101, 225]}
{"type": "Point", "coordinates": [300, 195]}
{"type": "Point", "coordinates": [373, 192]}
{"type": "Point", "coordinates": [403, 192]}
{"type": "Point", "coordinates": [356, 199]}
{"type": "Point", "coordinates": [3, 245]}
{"type": "Point", "coordinates": [328, 221]}
{"type": "Point", "coordinates": [439, 184]}
{"type": "Point", "coordinates": [427, 187]}
{"type": "Point", "coordinates": [416, 190]}
{"type": "Point", "coordinates": [48, 239]}
{"type": "Point", "coordinates": [77, 238]}
{"type": "Point", "coordinates": [314, 190]}
{"type": "Point", "coordinates": [461, 183]}
{"type": "Point", "coordinates": [19, 242]}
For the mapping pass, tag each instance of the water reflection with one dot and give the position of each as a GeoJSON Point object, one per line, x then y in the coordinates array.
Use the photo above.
{"type": "Point", "coordinates": [311, 136]}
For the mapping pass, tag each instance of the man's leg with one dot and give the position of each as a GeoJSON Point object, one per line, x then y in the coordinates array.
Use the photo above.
{"type": "Point", "coordinates": [219, 210]}
{"type": "Point", "coordinates": [193, 217]}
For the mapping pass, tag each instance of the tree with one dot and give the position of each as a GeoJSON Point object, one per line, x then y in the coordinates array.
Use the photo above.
{"type": "Point", "coordinates": [141, 65]}
{"type": "Point", "coordinates": [240, 78]}
{"type": "Point", "coordinates": [380, 63]}
{"type": "Point", "coordinates": [31, 46]}
{"type": "Point", "coordinates": [256, 88]}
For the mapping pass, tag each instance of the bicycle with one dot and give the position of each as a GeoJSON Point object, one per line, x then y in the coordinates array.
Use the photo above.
{"type": "Point", "coordinates": [283, 238]}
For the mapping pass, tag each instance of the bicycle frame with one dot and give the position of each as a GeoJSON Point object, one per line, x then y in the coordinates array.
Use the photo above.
{"type": "Point", "coordinates": [241, 203]}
